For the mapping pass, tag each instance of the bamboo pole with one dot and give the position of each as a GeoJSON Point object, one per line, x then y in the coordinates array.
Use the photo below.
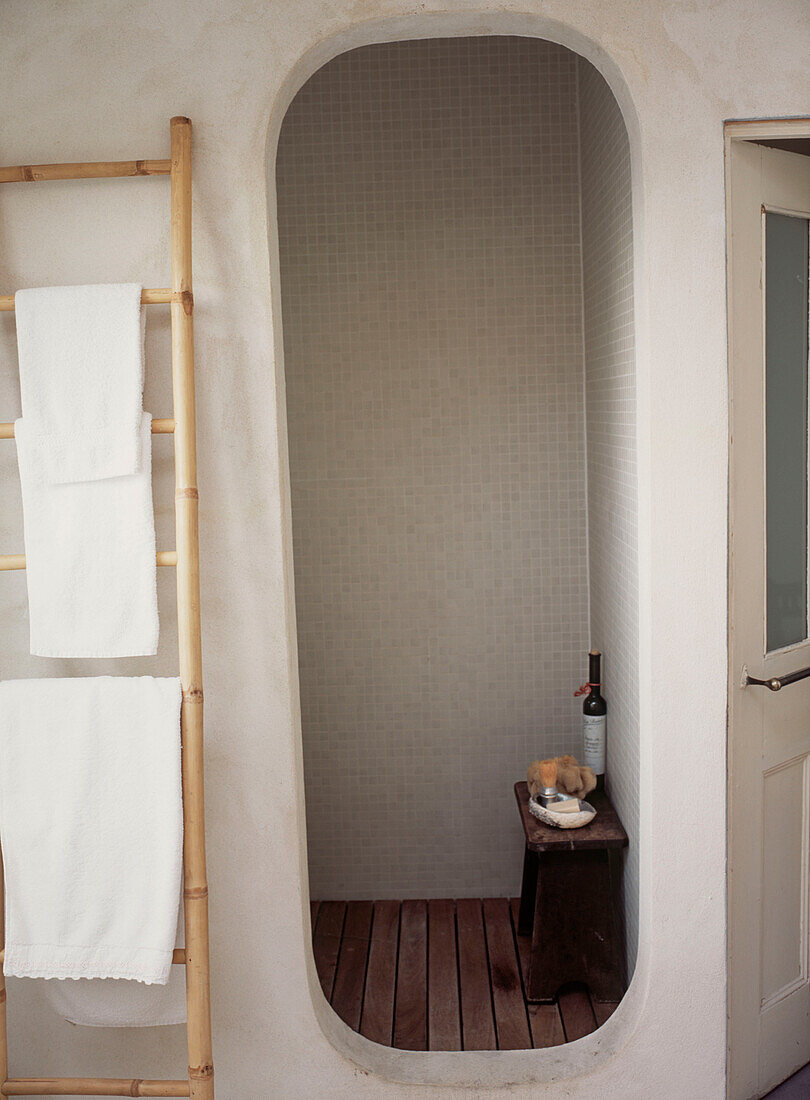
{"type": "Point", "coordinates": [200, 1059]}
{"type": "Point", "coordinates": [91, 1086]}
{"type": "Point", "coordinates": [150, 296]}
{"type": "Point", "coordinates": [17, 561]}
{"type": "Point", "coordinates": [84, 170]}
{"type": "Point", "coordinates": [160, 426]}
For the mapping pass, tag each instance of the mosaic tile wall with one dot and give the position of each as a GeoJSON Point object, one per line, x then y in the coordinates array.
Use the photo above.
{"type": "Point", "coordinates": [607, 249]}
{"type": "Point", "coordinates": [431, 280]}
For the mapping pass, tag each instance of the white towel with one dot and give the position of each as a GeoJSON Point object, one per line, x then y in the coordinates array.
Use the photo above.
{"type": "Point", "coordinates": [107, 1002]}
{"type": "Point", "coordinates": [90, 559]}
{"type": "Point", "coordinates": [91, 826]}
{"type": "Point", "coordinates": [81, 378]}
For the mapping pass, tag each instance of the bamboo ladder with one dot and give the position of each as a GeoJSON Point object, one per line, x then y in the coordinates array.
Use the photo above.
{"type": "Point", "coordinates": [200, 1081]}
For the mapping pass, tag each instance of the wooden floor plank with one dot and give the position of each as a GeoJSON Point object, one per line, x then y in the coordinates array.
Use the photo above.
{"type": "Point", "coordinates": [410, 1009]}
{"type": "Point", "coordinates": [511, 1019]}
{"type": "Point", "coordinates": [524, 943]}
{"type": "Point", "coordinates": [350, 976]}
{"type": "Point", "coordinates": [603, 1010]}
{"type": "Point", "coordinates": [444, 1018]}
{"type": "Point", "coordinates": [477, 1023]}
{"type": "Point", "coordinates": [377, 1021]}
{"type": "Point", "coordinates": [434, 989]}
{"type": "Point", "coordinates": [576, 1012]}
{"type": "Point", "coordinates": [314, 906]}
{"type": "Point", "coordinates": [546, 1026]}
{"type": "Point", "coordinates": [544, 1020]}
{"type": "Point", "coordinates": [326, 942]}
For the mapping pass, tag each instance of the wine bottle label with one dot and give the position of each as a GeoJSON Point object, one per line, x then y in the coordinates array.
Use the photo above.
{"type": "Point", "coordinates": [594, 728]}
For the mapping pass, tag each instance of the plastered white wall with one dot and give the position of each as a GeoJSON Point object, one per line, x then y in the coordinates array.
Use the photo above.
{"type": "Point", "coordinates": [100, 79]}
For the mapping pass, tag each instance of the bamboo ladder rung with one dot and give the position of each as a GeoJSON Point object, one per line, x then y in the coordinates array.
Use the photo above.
{"type": "Point", "coordinates": [150, 296]}
{"type": "Point", "coordinates": [17, 561]}
{"type": "Point", "coordinates": [160, 426]}
{"type": "Point", "coordinates": [84, 170]}
{"type": "Point", "coordinates": [91, 1086]}
{"type": "Point", "coordinates": [178, 957]}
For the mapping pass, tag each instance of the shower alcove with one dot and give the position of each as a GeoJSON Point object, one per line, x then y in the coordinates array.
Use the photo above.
{"type": "Point", "coordinates": [456, 258]}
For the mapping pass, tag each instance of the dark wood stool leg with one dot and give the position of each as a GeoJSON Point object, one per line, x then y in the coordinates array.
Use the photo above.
{"type": "Point", "coordinates": [528, 892]}
{"type": "Point", "coordinates": [575, 935]}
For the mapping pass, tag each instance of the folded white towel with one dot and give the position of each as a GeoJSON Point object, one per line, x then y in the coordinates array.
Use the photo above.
{"type": "Point", "coordinates": [91, 826]}
{"type": "Point", "coordinates": [107, 1002]}
{"type": "Point", "coordinates": [81, 378]}
{"type": "Point", "coordinates": [90, 559]}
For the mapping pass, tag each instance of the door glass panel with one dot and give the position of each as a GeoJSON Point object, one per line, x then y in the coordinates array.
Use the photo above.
{"type": "Point", "coordinates": [786, 306]}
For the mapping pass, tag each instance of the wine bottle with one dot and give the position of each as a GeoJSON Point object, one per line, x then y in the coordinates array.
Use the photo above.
{"type": "Point", "coordinates": [594, 720]}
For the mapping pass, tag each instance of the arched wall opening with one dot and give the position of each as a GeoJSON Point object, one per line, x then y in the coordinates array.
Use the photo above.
{"type": "Point", "coordinates": [456, 257]}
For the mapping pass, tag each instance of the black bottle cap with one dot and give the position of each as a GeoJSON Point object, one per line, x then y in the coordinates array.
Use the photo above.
{"type": "Point", "coordinates": [595, 660]}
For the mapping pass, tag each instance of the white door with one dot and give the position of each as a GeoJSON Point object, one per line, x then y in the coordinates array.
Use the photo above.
{"type": "Point", "coordinates": [769, 730]}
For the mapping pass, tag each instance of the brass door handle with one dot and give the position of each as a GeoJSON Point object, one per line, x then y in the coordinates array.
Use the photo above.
{"type": "Point", "coordinates": [775, 683]}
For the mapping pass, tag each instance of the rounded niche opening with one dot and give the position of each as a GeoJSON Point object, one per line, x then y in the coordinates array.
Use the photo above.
{"type": "Point", "coordinates": [456, 256]}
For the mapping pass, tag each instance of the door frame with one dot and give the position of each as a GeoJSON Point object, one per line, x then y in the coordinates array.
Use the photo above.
{"type": "Point", "coordinates": [737, 130]}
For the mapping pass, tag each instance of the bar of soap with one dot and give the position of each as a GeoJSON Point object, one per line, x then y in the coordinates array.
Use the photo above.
{"type": "Point", "coordinates": [566, 806]}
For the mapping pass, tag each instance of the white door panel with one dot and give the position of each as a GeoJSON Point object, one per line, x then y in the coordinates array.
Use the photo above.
{"type": "Point", "coordinates": [769, 731]}
{"type": "Point", "coordinates": [784, 881]}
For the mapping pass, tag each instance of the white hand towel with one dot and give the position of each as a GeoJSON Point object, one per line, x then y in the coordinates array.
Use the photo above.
{"type": "Point", "coordinates": [107, 1002]}
{"type": "Point", "coordinates": [90, 559]}
{"type": "Point", "coordinates": [91, 826]}
{"type": "Point", "coordinates": [81, 378]}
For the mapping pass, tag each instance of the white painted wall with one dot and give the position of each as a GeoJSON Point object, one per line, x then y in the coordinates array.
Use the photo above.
{"type": "Point", "coordinates": [101, 79]}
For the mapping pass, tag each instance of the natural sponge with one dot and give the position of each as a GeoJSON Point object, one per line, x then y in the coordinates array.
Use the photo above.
{"type": "Point", "coordinates": [572, 777]}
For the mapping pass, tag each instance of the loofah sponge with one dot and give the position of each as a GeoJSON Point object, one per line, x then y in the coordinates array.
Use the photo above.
{"type": "Point", "coordinates": [572, 777]}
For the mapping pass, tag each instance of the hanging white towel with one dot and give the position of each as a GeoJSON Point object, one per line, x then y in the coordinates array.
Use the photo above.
{"type": "Point", "coordinates": [90, 559]}
{"type": "Point", "coordinates": [81, 378]}
{"type": "Point", "coordinates": [91, 826]}
{"type": "Point", "coordinates": [107, 1002]}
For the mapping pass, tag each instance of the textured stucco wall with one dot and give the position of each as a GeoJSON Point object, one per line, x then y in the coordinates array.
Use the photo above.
{"type": "Point", "coordinates": [101, 79]}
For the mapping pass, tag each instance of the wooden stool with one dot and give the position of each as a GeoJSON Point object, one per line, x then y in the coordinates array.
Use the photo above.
{"type": "Point", "coordinates": [566, 903]}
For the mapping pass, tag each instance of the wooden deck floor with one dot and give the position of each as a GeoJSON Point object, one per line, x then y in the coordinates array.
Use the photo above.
{"type": "Point", "coordinates": [440, 975]}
